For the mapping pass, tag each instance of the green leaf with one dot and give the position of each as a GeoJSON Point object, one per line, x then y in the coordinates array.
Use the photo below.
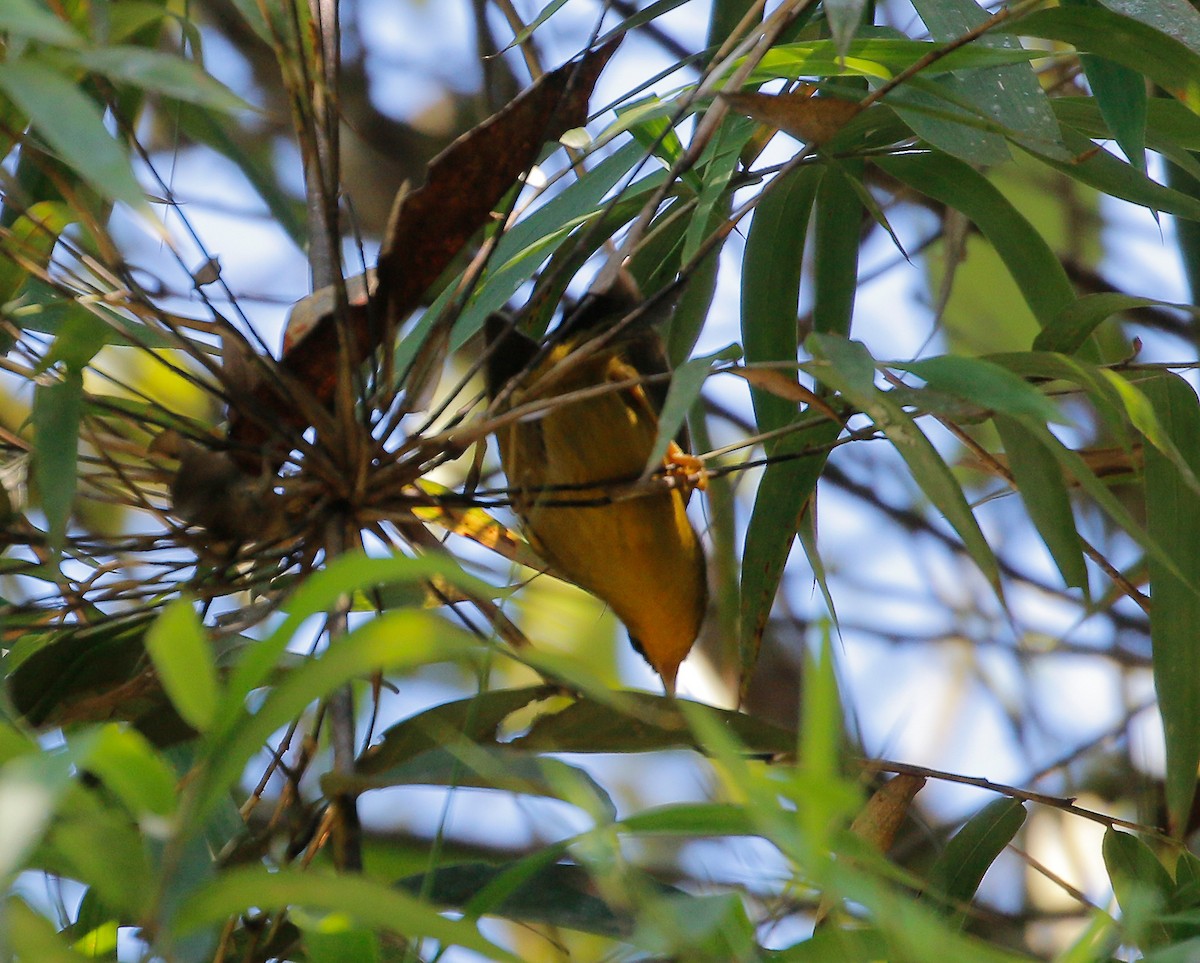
{"type": "Point", "coordinates": [847, 367]}
{"type": "Point", "coordinates": [1142, 886]}
{"type": "Point", "coordinates": [183, 659]}
{"type": "Point", "coordinates": [1174, 524]}
{"type": "Point", "coordinates": [986, 384]}
{"type": "Point", "coordinates": [652, 723]}
{"type": "Point", "coordinates": [158, 72]}
{"type": "Point", "coordinates": [554, 895]}
{"type": "Point", "coordinates": [686, 383]}
{"type": "Point", "coordinates": [370, 903]}
{"type": "Point", "coordinates": [548, 11]}
{"type": "Point", "coordinates": [1121, 95]}
{"type": "Point", "coordinates": [344, 576]}
{"type": "Point", "coordinates": [459, 764]}
{"type": "Point", "coordinates": [334, 939]}
{"type": "Point", "coordinates": [648, 121]}
{"type": "Point", "coordinates": [73, 126]}
{"type": "Point", "coordinates": [725, 151]}
{"type": "Point", "coordinates": [1175, 18]}
{"type": "Point", "coordinates": [1120, 39]}
{"type": "Point", "coordinates": [131, 768]}
{"type": "Point", "coordinates": [959, 869]}
{"type": "Point", "coordinates": [844, 16]}
{"type": "Point", "coordinates": [1075, 323]}
{"type": "Point", "coordinates": [33, 937]}
{"type": "Point", "coordinates": [790, 479]}
{"type": "Point", "coordinates": [1108, 174]}
{"type": "Point", "coordinates": [1009, 95]}
{"type": "Point", "coordinates": [1040, 483]}
{"type": "Point", "coordinates": [691, 819]}
{"type": "Point", "coordinates": [57, 411]}
{"type": "Point", "coordinates": [881, 58]}
{"type": "Point", "coordinates": [836, 945]}
{"type": "Point", "coordinates": [31, 787]}
{"type": "Point", "coordinates": [392, 642]}
{"type": "Point", "coordinates": [1029, 259]}
{"type": "Point", "coordinates": [477, 718]}
{"type": "Point", "coordinates": [29, 19]}
{"type": "Point", "coordinates": [772, 267]}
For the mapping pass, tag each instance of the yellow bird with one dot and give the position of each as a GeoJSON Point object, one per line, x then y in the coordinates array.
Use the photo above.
{"type": "Point", "coordinates": [636, 551]}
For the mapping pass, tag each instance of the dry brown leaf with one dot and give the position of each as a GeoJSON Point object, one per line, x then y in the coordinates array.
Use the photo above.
{"type": "Point", "coordinates": [811, 119]}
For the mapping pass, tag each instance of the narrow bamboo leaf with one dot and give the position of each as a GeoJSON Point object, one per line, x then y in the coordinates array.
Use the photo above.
{"type": "Point", "coordinates": [691, 819]}
{"type": "Point", "coordinates": [1011, 95]}
{"type": "Point", "coordinates": [837, 238]}
{"type": "Point", "coordinates": [162, 73]}
{"type": "Point", "coordinates": [1080, 318]}
{"type": "Point", "coordinates": [686, 383]}
{"type": "Point", "coordinates": [836, 945]}
{"type": "Point", "coordinates": [27, 18]}
{"type": "Point", "coordinates": [557, 894]}
{"type": "Point", "coordinates": [989, 385]}
{"type": "Point", "coordinates": [936, 113]}
{"type": "Point", "coordinates": [1187, 233]}
{"type": "Point", "coordinates": [652, 724]}
{"type": "Point", "coordinates": [787, 484]}
{"type": "Point", "coordinates": [1143, 417]}
{"type": "Point", "coordinates": [1173, 523]}
{"type": "Point", "coordinates": [371, 903]}
{"type": "Point", "coordinates": [876, 57]}
{"type": "Point", "coordinates": [656, 134]}
{"type": "Point", "coordinates": [1175, 18]}
{"type": "Point", "coordinates": [394, 641]}
{"type": "Point", "coordinates": [344, 576]}
{"type": "Point", "coordinates": [459, 765]}
{"type": "Point", "coordinates": [771, 273]}
{"type": "Point", "coordinates": [1121, 95]}
{"type": "Point", "coordinates": [1168, 122]}
{"type": "Point", "coordinates": [1040, 482]}
{"type": "Point", "coordinates": [1122, 40]}
{"type": "Point", "coordinates": [335, 939]}
{"type": "Point", "coordinates": [730, 139]}
{"type": "Point", "coordinates": [548, 11]}
{"type": "Point", "coordinates": [57, 410]}
{"type": "Point", "coordinates": [33, 937]}
{"type": "Point", "coordinates": [183, 659]}
{"type": "Point", "coordinates": [844, 16]}
{"type": "Point", "coordinates": [847, 367]}
{"type": "Point", "coordinates": [1142, 886]}
{"type": "Point", "coordinates": [1110, 175]}
{"type": "Point", "coordinates": [772, 267]}
{"type": "Point", "coordinates": [1029, 259]}
{"type": "Point", "coordinates": [477, 718]}
{"type": "Point", "coordinates": [133, 770]}
{"type": "Point", "coordinates": [73, 126]}
{"type": "Point", "coordinates": [651, 11]}
{"type": "Point", "coordinates": [959, 869]}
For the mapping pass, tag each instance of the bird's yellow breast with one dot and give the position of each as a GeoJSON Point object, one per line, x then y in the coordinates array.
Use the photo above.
{"type": "Point", "coordinates": [638, 552]}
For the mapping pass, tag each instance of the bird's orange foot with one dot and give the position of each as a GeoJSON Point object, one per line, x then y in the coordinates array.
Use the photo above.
{"type": "Point", "coordinates": [686, 468]}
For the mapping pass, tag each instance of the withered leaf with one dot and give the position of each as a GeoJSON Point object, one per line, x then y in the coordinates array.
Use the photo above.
{"type": "Point", "coordinates": [813, 120]}
{"type": "Point", "coordinates": [429, 227]}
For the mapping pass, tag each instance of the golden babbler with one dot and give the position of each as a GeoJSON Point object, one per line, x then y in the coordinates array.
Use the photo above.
{"type": "Point", "coordinates": [636, 551]}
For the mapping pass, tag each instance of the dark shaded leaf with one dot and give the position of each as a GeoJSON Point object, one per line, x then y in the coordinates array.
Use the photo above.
{"type": "Point", "coordinates": [655, 723]}
{"type": "Point", "coordinates": [960, 867]}
{"type": "Point", "coordinates": [57, 410]}
{"type": "Point", "coordinates": [1173, 522]}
